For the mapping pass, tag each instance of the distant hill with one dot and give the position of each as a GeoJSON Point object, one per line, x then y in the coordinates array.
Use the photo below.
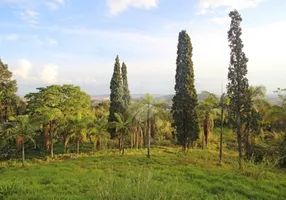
{"type": "Point", "coordinates": [272, 98]}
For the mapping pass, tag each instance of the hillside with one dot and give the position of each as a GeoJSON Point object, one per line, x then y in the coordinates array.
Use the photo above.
{"type": "Point", "coordinates": [167, 175]}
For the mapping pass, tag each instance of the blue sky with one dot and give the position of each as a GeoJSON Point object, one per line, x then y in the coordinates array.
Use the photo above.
{"type": "Point", "coordinates": [75, 42]}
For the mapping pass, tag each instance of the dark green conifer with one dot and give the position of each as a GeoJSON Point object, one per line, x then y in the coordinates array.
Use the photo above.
{"type": "Point", "coordinates": [237, 87]}
{"type": "Point", "coordinates": [126, 93]}
{"type": "Point", "coordinates": [116, 94]}
{"type": "Point", "coordinates": [185, 100]}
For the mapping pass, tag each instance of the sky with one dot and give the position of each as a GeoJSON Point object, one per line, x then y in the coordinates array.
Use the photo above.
{"type": "Point", "coordinates": [48, 42]}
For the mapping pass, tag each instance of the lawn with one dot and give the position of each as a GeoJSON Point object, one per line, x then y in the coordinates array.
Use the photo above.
{"type": "Point", "coordinates": [169, 174]}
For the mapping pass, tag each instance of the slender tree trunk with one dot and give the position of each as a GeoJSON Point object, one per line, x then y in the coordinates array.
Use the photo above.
{"type": "Point", "coordinates": [137, 138]}
{"type": "Point", "coordinates": [6, 114]}
{"type": "Point", "coordinates": [46, 138]}
{"type": "Point", "coordinates": [98, 144]}
{"type": "Point", "coordinates": [66, 144]}
{"type": "Point", "coordinates": [247, 144]}
{"type": "Point", "coordinates": [206, 129]}
{"type": "Point", "coordinates": [122, 146]}
{"type": "Point", "coordinates": [142, 139]}
{"type": "Point", "coordinates": [193, 144]}
{"type": "Point", "coordinates": [52, 145]}
{"type": "Point", "coordinates": [148, 128]}
{"type": "Point", "coordinates": [77, 146]}
{"type": "Point", "coordinates": [23, 153]}
{"type": "Point", "coordinates": [221, 133]}
{"type": "Point", "coordinates": [203, 140]}
{"type": "Point", "coordinates": [185, 148]}
{"type": "Point", "coordinates": [119, 144]}
{"type": "Point", "coordinates": [239, 148]}
{"type": "Point", "coordinates": [131, 140]}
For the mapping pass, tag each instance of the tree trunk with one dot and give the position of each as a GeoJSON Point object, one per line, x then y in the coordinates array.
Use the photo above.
{"type": "Point", "coordinates": [221, 133]}
{"type": "Point", "coordinates": [77, 146]}
{"type": "Point", "coordinates": [193, 144]}
{"type": "Point", "coordinates": [131, 140]}
{"type": "Point", "coordinates": [148, 129]}
{"type": "Point", "coordinates": [52, 149]}
{"type": "Point", "coordinates": [119, 144]}
{"type": "Point", "coordinates": [51, 141]}
{"type": "Point", "coordinates": [247, 144]}
{"type": "Point", "coordinates": [203, 141]}
{"type": "Point", "coordinates": [146, 134]}
{"type": "Point", "coordinates": [6, 114]}
{"type": "Point", "coordinates": [137, 139]}
{"type": "Point", "coordinates": [122, 145]}
{"type": "Point", "coordinates": [98, 144]}
{"type": "Point", "coordinates": [46, 138]}
{"type": "Point", "coordinates": [66, 144]}
{"type": "Point", "coordinates": [185, 148]}
{"type": "Point", "coordinates": [23, 153]}
{"type": "Point", "coordinates": [239, 148]}
{"type": "Point", "coordinates": [206, 129]}
{"type": "Point", "coordinates": [142, 139]}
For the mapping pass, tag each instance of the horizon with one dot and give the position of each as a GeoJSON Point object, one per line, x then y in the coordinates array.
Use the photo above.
{"type": "Point", "coordinates": [68, 42]}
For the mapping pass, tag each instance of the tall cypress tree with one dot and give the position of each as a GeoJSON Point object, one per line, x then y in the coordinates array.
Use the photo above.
{"type": "Point", "coordinates": [126, 93]}
{"type": "Point", "coordinates": [116, 94]}
{"type": "Point", "coordinates": [238, 83]}
{"type": "Point", "coordinates": [185, 99]}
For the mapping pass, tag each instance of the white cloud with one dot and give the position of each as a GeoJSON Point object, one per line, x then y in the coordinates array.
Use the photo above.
{"type": "Point", "coordinates": [117, 6]}
{"type": "Point", "coordinates": [60, 1]}
{"type": "Point", "coordinates": [30, 16]}
{"type": "Point", "coordinates": [55, 4]}
{"type": "Point", "coordinates": [49, 74]}
{"type": "Point", "coordinates": [209, 6]}
{"type": "Point", "coordinates": [23, 70]}
{"type": "Point", "coordinates": [220, 20]}
{"type": "Point", "coordinates": [27, 73]}
{"type": "Point", "coordinates": [28, 8]}
{"type": "Point", "coordinates": [12, 37]}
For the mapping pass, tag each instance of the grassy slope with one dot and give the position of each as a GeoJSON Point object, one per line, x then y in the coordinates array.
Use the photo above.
{"type": "Point", "coordinates": [167, 175]}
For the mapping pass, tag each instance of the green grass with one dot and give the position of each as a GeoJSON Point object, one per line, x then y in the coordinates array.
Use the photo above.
{"type": "Point", "coordinates": [169, 174]}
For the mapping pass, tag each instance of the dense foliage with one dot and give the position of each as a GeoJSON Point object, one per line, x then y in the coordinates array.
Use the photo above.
{"type": "Point", "coordinates": [185, 100]}
{"type": "Point", "coordinates": [8, 98]}
{"type": "Point", "coordinates": [116, 96]}
{"type": "Point", "coordinates": [126, 92]}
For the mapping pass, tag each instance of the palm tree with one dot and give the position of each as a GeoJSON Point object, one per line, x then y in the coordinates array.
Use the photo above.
{"type": "Point", "coordinates": [50, 118]}
{"type": "Point", "coordinates": [21, 129]}
{"type": "Point", "coordinates": [224, 102]}
{"type": "Point", "coordinates": [98, 130]}
{"type": "Point", "coordinates": [257, 108]}
{"type": "Point", "coordinates": [277, 113]}
{"type": "Point", "coordinates": [144, 110]}
{"type": "Point", "coordinates": [208, 110]}
{"type": "Point", "coordinates": [78, 129]}
{"type": "Point", "coordinates": [123, 127]}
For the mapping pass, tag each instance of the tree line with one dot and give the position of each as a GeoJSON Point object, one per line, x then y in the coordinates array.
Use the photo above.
{"type": "Point", "coordinates": [65, 116]}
